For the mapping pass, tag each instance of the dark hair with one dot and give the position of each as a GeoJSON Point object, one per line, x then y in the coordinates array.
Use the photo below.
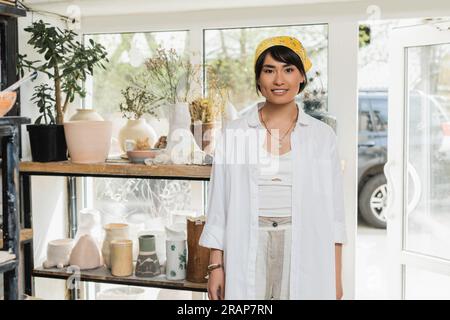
{"type": "Point", "coordinates": [281, 54]}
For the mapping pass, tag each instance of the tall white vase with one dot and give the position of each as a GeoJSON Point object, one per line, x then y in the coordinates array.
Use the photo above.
{"type": "Point", "coordinates": [181, 145]}
{"type": "Point", "coordinates": [137, 129]}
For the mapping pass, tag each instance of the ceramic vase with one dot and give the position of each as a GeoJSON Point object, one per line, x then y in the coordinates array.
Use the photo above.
{"type": "Point", "coordinates": [88, 141]}
{"type": "Point", "coordinates": [113, 231]}
{"type": "Point", "coordinates": [198, 259]}
{"type": "Point", "coordinates": [176, 259]}
{"type": "Point", "coordinates": [86, 254]}
{"type": "Point", "coordinates": [86, 115]}
{"type": "Point", "coordinates": [137, 130]}
{"type": "Point", "coordinates": [121, 258]}
{"type": "Point", "coordinates": [58, 253]}
{"type": "Point", "coordinates": [147, 264]}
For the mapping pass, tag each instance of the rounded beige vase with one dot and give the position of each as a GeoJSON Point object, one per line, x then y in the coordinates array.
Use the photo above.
{"type": "Point", "coordinates": [88, 141]}
{"type": "Point", "coordinates": [113, 231]}
{"type": "Point", "coordinates": [137, 130]}
{"type": "Point", "coordinates": [87, 115]}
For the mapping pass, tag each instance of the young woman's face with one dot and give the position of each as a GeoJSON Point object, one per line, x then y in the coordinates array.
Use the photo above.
{"type": "Point", "coordinates": [279, 82]}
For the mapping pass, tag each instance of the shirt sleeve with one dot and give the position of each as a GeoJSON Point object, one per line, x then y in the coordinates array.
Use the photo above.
{"type": "Point", "coordinates": [213, 235]}
{"type": "Point", "coordinates": [340, 232]}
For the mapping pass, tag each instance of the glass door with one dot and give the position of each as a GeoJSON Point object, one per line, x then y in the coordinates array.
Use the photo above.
{"type": "Point", "coordinates": [418, 167]}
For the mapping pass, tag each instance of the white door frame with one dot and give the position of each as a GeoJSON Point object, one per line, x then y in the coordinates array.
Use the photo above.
{"type": "Point", "coordinates": [398, 256]}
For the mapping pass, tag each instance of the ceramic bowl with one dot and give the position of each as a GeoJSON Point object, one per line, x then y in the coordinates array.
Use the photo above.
{"type": "Point", "coordinates": [138, 156]}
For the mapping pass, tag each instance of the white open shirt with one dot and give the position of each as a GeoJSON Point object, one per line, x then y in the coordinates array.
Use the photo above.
{"type": "Point", "coordinates": [318, 217]}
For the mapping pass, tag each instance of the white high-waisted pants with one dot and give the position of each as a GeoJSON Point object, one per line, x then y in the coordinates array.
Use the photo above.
{"type": "Point", "coordinates": [273, 260]}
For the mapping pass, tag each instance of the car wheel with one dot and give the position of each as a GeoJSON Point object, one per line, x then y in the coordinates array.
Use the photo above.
{"type": "Point", "coordinates": [372, 201]}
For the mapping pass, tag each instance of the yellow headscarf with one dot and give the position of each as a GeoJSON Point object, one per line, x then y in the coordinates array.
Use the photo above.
{"type": "Point", "coordinates": [286, 41]}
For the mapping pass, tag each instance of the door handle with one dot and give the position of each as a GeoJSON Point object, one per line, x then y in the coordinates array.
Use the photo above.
{"type": "Point", "coordinates": [390, 190]}
{"type": "Point", "coordinates": [368, 144]}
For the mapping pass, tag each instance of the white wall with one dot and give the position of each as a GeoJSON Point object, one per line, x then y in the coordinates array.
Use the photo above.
{"type": "Point", "coordinates": [49, 196]}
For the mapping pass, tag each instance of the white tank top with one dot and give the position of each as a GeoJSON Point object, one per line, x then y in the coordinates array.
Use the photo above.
{"type": "Point", "coordinates": [275, 185]}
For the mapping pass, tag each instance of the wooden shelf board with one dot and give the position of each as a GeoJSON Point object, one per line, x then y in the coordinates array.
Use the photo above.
{"type": "Point", "coordinates": [7, 265]}
{"type": "Point", "coordinates": [116, 169]}
{"type": "Point", "coordinates": [103, 275]}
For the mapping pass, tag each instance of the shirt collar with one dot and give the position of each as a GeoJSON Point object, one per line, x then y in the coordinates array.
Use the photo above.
{"type": "Point", "coordinates": [253, 117]}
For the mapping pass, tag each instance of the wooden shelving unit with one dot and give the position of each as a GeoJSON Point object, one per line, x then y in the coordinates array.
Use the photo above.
{"type": "Point", "coordinates": [117, 169]}
{"type": "Point", "coordinates": [9, 135]}
{"type": "Point", "coordinates": [110, 169]}
{"type": "Point", "coordinates": [11, 10]}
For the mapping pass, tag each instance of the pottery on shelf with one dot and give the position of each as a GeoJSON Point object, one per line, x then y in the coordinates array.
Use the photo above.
{"type": "Point", "coordinates": [89, 223]}
{"type": "Point", "coordinates": [176, 231]}
{"type": "Point", "coordinates": [176, 254]}
{"type": "Point", "coordinates": [180, 141]}
{"type": "Point", "coordinates": [86, 115]}
{"type": "Point", "coordinates": [198, 258]}
{"type": "Point", "coordinates": [58, 253]}
{"type": "Point", "coordinates": [147, 264]}
{"type": "Point", "coordinates": [121, 258]}
{"type": "Point", "coordinates": [86, 254]}
{"type": "Point", "coordinates": [88, 141]}
{"type": "Point", "coordinates": [113, 231]}
{"type": "Point", "coordinates": [137, 130]}
{"type": "Point", "coordinates": [139, 156]}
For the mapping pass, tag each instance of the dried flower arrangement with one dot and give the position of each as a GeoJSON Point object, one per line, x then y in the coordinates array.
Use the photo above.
{"type": "Point", "coordinates": [208, 109]}
{"type": "Point", "coordinates": [139, 100]}
{"type": "Point", "coordinates": [173, 77]}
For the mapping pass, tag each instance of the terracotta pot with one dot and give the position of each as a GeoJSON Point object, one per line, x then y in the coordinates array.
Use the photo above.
{"type": "Point", "coordinates": [88, 141]}
{"type": "Point", "coordinates": [121, 258]}
{"type": "Point", "coordinates": [113, 231]}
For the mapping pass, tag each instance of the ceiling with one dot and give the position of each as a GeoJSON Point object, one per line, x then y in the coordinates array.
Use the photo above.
{"type": "Point", "coordinates": [117, 7]}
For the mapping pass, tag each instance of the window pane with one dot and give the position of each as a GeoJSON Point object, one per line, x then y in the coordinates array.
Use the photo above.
{"type": "Point", "coordinates": [427, 218]}
{"type": "Point", "coordinates": [127, 53]}
{"type": "Point", "coordinates": [231, 51]}
{"type": "Point", "coordinates": [146, 205]}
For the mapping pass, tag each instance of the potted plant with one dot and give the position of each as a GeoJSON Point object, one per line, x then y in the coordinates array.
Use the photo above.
{"type": "Point", "coordinates": [67, 63]}
{"type": "Point", "coordinates": [138, 100]}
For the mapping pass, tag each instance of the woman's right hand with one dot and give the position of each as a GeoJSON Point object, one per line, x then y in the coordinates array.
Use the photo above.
{"type": "Point", "coordinates": [216, 284]}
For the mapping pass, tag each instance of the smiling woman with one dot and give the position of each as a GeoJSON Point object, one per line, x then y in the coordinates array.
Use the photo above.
{"type": "Point", "coordinates": [290, 213]}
